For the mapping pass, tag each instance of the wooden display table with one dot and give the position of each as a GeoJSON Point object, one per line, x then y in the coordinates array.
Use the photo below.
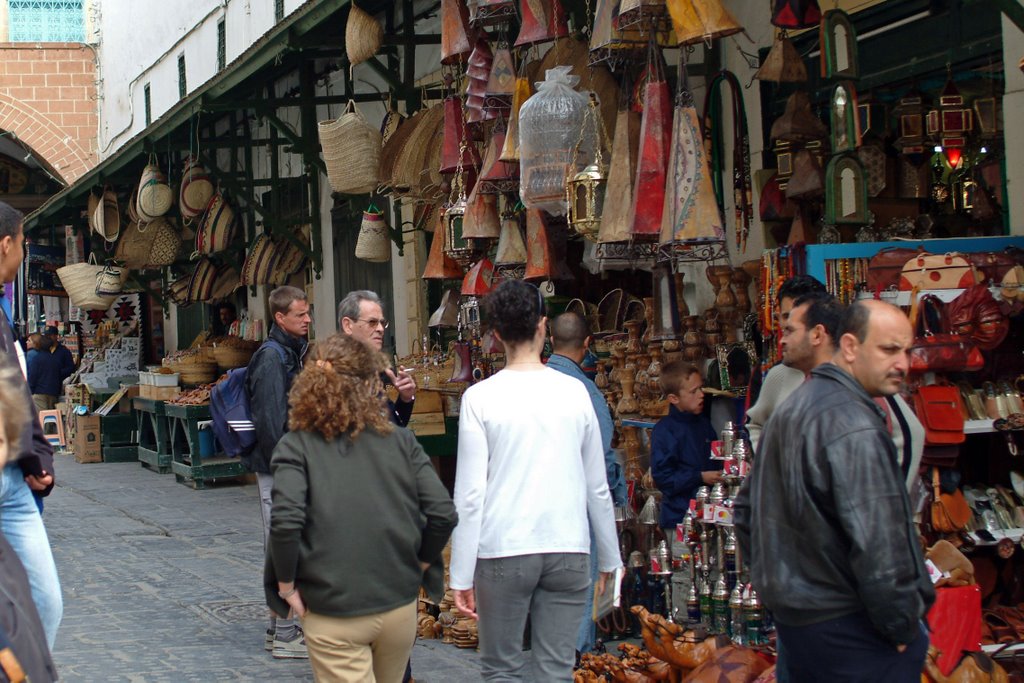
{"type": "Point", "coordinates": [154, 449]}
{"type": "Point", "coordinates": [188, 466]}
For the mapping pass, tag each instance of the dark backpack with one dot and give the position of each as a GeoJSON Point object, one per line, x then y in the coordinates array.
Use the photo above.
{"type": "Point", "coordinates": [230, 413]}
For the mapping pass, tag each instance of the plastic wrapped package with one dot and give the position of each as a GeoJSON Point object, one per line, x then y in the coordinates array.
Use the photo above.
{"type": "Point", "coordinates": [552, 140]}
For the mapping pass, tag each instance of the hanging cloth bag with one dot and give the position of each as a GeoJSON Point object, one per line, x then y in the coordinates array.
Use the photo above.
{"type": "Point", "coordinates": [79, 281]}
{"type": "Point", "coordinates": [351, 149]}
{"type": "Point", "coordinates": [374, 242]}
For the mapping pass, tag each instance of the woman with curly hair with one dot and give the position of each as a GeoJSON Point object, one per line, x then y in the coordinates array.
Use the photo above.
{"type": "Point", "coordinates": [529, 479]}
{"type": "Point", "coordinates": [358, 522]}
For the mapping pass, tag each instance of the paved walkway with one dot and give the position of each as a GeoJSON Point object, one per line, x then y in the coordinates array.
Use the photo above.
{"type": "Point", "coordinates": [163, 583]}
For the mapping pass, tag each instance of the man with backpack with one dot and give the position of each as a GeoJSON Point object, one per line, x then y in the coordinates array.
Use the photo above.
{"type": "Point", "coordinates": [268, 378]}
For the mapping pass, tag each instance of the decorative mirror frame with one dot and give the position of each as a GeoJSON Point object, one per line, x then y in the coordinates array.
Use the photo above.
{"type": "Point", "coordinates": [831, 22]}
{"type": "Point", "coordinates": [722, 353]}
{"type": "Point", "coordinates": [845, 128]}
{"type": "Point", "coordinates": [834, 208]}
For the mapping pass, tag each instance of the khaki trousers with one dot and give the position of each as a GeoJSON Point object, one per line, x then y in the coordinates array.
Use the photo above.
{"type": "Point", "coordinates": [368, 649]}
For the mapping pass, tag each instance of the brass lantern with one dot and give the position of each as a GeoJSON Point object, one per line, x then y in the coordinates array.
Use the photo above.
{"type": "Point", "coordinates": [456, 245]}
{"type": "Point", "coordinates": [950, 123]}
{"type": "Point", "coordinates": [585, 194]}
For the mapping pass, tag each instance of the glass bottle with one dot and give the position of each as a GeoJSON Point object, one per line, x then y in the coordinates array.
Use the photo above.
{"type": "Point", "coordinates": [693, 603]}
{"type": "Point", "coordinates": [753, 611]}
{"type": "Point", "coordinates": [737, 625]}
{"type": "Point", "coordinates": [720, 606]}
{"type": "Point", "coordinates": [705, 599]}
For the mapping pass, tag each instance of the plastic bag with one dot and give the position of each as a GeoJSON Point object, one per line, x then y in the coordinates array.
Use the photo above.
{"type": "Point", "coordinates": [551, 127]}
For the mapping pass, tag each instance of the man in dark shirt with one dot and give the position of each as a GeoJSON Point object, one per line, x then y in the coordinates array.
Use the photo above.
{"type": "Point", "coordinates": [44, 374]}
{"type": "Point", "coordinates": [64, 358]}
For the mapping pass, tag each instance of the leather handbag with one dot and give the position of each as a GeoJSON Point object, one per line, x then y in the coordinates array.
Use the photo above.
{"type": "Point", "coordinates": [934, 349]}
{"type": "Point", "coordinates": [939, 408]}
{"type": "Point", "coordinates": [991, 265]}
{"type": "Point", "coordinates": [950, 511]}
{"type": "Point", "coordinates": [885, 267]}
{"type": "Point", "coordinates": [976, 314]}
{"type": "Point", "coordinates": [940, 456]}
{"type": "Point", "coordinates": [937, 271]}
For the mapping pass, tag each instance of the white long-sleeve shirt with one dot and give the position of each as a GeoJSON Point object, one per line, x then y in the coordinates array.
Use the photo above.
{"type": "Point", "coordinates": [530, 473]}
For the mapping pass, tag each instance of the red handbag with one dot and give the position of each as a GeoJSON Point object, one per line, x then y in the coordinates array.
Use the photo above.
{"type": "Point", "coordinates": [938, 408]}
{"type": "Point", "coordinates": [885, 267]}
{"type": "Point", "coordinates": [939, 351]}
{"type": "Point", "coordinates": [937, 271]}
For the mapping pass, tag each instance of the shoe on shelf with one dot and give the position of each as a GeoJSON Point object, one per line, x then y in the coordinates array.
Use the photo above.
{"type": "Point", "coordinates": [995, 403]}
{"type": "Point", "coordinates": [1011, 398]}
{"type": "Point", "coordinates": [290, 649]}
{"type": "Point", "coordinates": [972, 402]}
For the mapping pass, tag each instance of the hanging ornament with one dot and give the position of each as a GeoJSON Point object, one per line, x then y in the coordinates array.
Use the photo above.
{"type": "Point", "coordinates": [606, 34]}
{"type": "Point", "coordinates": [652, 165]}
{"type": "Point", "coordinates": [798, 124]}
{"type": "Point", "coordinates": [481, 220]}
{"type": "Point", "coordinates": [479, 279]}
{"type": "Point", "coordinates": [478, 73]}
{"type": "Point", "coordinates": [796, 13]}
{"type": "Point", "coordinates": [456, 151]}
{"type": "Point", "coordinates": [497, 175]}
{"type": "Point", "coordinates": [545, 248]}
{"type": "Point", "coordinates": [521, 93]}
{"type": "Point", "coordinates": [511, 247]}
{"type": "Point", "coordinates": [502, 79]}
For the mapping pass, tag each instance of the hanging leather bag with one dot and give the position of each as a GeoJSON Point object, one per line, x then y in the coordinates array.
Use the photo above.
{"type": "Point", "coordinates": [939, 408]}
{"type": "Point", "coordinates": [885, 267]}
{"type": "Point", "coordinates": [934, 349]}
{"type": "Point", "coordinates": [950, 511]}
{"type": "Point", "coordinates": [937, 271]}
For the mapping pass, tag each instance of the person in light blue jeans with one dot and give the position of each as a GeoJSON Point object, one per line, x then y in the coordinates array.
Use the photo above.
{"type": "Point", "coordinates": [22, 524]}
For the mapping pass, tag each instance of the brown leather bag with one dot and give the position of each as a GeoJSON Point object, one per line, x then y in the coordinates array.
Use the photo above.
{"type": "Point", "coordinates": [885, 267]}
{"type": "Point", "coordinates": [991, 265]}
{"type": "Point", "coordinates": [950, 511]}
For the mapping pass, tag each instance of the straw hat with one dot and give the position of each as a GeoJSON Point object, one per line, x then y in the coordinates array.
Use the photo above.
{"type": "Point", "coordinates": [106, 218]}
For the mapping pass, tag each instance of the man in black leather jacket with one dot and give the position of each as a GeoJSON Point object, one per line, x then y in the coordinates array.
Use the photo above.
{"type": "Point", "coordinates": [825, 520]}
{"type": "Point", "coordinates": [267, 382]}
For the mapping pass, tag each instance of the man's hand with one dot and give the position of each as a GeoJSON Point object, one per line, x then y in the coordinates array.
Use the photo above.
{"type": "Point", "coordinates": [39, 483]}
{"type": "Point", "coordinates": [602, 581]}
{"type": "Point", "coordinates": [465, 602]}
{"type": "Point", "coordinates": [711, 477]}
{"type": "Point", "coordinates": [404, 383]}
{"type": "Point", "coordinates": [294, 598]}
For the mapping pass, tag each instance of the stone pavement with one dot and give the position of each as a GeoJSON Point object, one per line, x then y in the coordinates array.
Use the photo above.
{"type": "Point", "coordinates": [163, 583]}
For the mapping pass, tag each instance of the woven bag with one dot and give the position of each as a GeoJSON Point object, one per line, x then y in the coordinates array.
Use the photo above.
{"type": "Point", "coordinates": [79, 280]}
{"type": "Point", "coordinates": [363, 36]}
{"type": "Point", "coordinates": [410, 168]}
{"type": "Point", "coordinates": [110, 281]}
{"type": "Point", "coordinates": [106, 219]}
{"type": "Point", "coordinates": [177, 291]}
{"type": "Point", "coordinates": [290, 259]}
{"type": "Point", "coordinates": [164, 245]}
{"type": "Point", "coordinates": [394, 146]}
{"type": "Point", "coordinates": [225, 283]}
{"type": "Point", "coordinates": [352, 150]}
{"type": "Point", "coordinates": [217, 227]}
{"type": "Point", "coordinates": [196, 189]}
{"type": "Point", "coordinates": [374, 242]}
{"type": "Point", "coordinates": [155, 197]}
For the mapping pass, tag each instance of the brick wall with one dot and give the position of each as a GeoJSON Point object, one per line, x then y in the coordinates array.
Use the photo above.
{"type": "Point", "coordinates": [48, 99]}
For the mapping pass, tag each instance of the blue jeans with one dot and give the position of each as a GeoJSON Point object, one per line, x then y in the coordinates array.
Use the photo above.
{"type": "Point", "coordinates": [23, 527]}
{"type": "Point", "coordinates": [587, 636]}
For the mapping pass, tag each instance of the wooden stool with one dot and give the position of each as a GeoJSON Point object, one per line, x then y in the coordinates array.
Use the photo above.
{"type": "Point", "coordinates": [52, 423]}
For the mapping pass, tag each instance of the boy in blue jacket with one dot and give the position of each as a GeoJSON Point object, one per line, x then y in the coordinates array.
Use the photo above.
{"type": "Point", "coordinates": [681, 443]}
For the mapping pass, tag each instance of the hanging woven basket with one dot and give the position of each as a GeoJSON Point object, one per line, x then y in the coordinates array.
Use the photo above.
{"type": "Point", "coordinates": [165, 243]}
{"type": "Point", "coordinates": [110, 281]}
{"type": "Point", "coordinates": [106, 218]}
{"type": "Point", "coordinates": [363, 36]}
{"type": "Point", "coordinates": [351, 149]}
{"type": "Point", "coordinates": [196, 189]}
{"type": "Point", "coordinates": [133, 247]}
{"type": "Point", "coordinates": [259, 262]}
{"type": "Point", "coordinates": [218, 226]}
{"type": "Point", "coordinates": [374, 242]}
{"type": "Point", "coordinates": [79, 280]}
{"type": "Point", "coordinates": [155, 197]}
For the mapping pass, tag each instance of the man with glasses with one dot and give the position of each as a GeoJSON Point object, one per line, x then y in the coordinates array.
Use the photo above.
{"type": "Point", "coordinates": [361, 316]}
{"type": "Point", "coordinates": [268, 380]}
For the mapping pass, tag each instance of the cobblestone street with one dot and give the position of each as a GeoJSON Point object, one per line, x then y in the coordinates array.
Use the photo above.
{"type": "Point", "coordinates": [163, 583]}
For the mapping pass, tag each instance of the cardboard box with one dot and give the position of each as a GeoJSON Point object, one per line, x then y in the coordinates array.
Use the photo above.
{"type": "Point", "coordinates": [87, 439]}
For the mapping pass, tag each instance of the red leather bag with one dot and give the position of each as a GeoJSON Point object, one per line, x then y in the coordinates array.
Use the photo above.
{"type": "Point", "coordinates": [976, 314]}
{"type": "Point", "coordinates": [939, 351]}
{"type": "Point", "coordinates": [938, 408]}
{"type": "Point", "coordinates": [992, 265]}
{"type": "Point", "coordinates": [884, 268]}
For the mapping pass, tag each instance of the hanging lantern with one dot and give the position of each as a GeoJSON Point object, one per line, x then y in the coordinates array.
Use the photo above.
{"type": "Point", "coordinates": [491, 11]}
{"type": "Point", "coordinates": [839, 53]}
{"type": "Point", "coordinates": [652, 165]}
{"type": "Point", "coordinates": [697, 21]}
{"type": "Point", "coordinates": [949, 125]}
{"type": "Point", "coordinates": [439, 265]}
{"type": "Point", "coordinates": [502, 79]}
{"type": "Point", "coordinates": [545, 248]}
{"type": "Point", "coordinates": [783, 64]}
{"type": "Point", "coordinates": [481, 219]}
{"type": "Point", "coordinates": [585, 194]}
{"type": "Point", "coordinates": [511, 247]}
{"type": "Point", "coordinates": [798, 123]}
{"type": "Point", "coordinates": [986, 112]}
{"type": "Point", "coordinates": [456, 246]}
{"type": "Point", "coordinates": [520, 93]}
{"type": "Point", "coordinates": [909, 114]}
{"type": "Point", "coordinates": [455, 31]}
{"type": "Point", "coordinates": [542, 21]}
{"type": "Point", "coordinates": [621, 177]}
{"type": "Point", "coordinates": [447, 314]}
{"type": "Point", "coordinates": [796, 13]}
{"type": "Point", "coordinates": [479, 279]}
{"type": "Point", "coordinates": [456, 150]}
{"type": "Point", "coordinates": [606, 33]}
{"type": "Point", "coordinates": [495, 174]}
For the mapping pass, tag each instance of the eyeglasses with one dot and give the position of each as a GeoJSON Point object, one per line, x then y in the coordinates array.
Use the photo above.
{"type": "Point", "coordinates": [373, 322]}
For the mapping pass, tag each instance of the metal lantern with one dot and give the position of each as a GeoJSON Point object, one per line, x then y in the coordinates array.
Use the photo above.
{"type": "Point", "coordinates": [950, 123]}
{"type": "Point", "coordinates": [585, 194]}
{"type": "Point", "coordinates": [456, 245]}
{"type": "Point", "coordinates": [909, 114]}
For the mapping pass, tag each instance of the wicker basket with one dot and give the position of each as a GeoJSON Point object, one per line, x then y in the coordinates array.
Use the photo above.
{"type": "Point", "coordinates": [155, 197]}
{"type": "Point", "coordinates": [133, 247]}
{"type": "Point", "coordinates": [196, 189]}
{"type": "Point", "coordinates": [259, 262]}
{"type": "Point", "coordinates": [352, 150]}
{"type": "Point", "coordinates": [79, 280]}
{"type": "Point", "coordinates": [217, 227]}
{"type": "Point", "coordinates": [196, 373]}
{"type": "Point", "coordinates": [164, 244]}
{"type": "Point", "coordinates": [229, 357]}
{"type": "Point", "coordinates": [363, 36]}
{"type": "Point", "coordinates": [411, 173]}
{"type": "Point", "coordinates": [374, 242]}
{"type": "Point", "coordinates": [395, 144]}
{"type": "Point", "coordinates": [105, 217]}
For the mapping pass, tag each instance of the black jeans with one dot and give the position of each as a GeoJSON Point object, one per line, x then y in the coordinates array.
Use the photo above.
{"type": "Point", "coordinates": [849, 649]}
